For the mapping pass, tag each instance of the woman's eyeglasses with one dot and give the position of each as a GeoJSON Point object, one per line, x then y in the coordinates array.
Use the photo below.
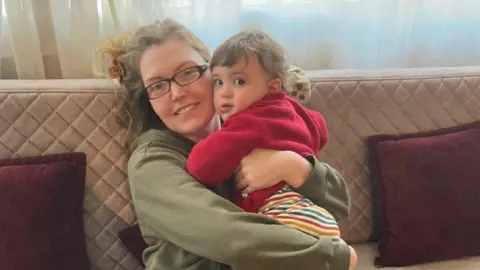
{"type": "Point", "coordinates": [181, 78]}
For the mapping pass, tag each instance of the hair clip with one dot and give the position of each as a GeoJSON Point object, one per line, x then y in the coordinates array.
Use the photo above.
{"type": "Point", "coordinates": [116, 71]}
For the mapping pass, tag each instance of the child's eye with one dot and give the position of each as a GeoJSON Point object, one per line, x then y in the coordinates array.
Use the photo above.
{"type": "Point", "coordinates": [217, 82]}
{"type": "Point", "coordinates": [240, 81]}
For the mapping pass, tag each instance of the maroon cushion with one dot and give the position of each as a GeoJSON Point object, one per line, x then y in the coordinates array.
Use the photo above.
{"type": "Point", "coordinates": [132, 239]}
{"type": "Point", "coordinates": [429, 194]}
{"type": "Point", "coordinates": [41, 213]}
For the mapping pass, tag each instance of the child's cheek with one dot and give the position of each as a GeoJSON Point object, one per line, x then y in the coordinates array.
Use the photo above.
{"type": "Point", "coordinates": [216, 100]}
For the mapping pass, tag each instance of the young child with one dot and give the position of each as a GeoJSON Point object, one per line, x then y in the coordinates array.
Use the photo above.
{"type": "Point", "coordinates": [250, 76]}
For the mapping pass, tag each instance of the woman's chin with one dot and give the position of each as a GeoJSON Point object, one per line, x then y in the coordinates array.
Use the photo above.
{"type": "Point", "coordinates": [196, 130]}
{"type": "Point", "coordinates": [195, 127]}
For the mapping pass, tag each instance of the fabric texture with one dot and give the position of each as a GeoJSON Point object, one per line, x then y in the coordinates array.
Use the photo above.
{"type": "Point", "coordinates": [275, 122]}
{"type": "Point", "coordinates": [41, 214]}
{"type": "Point", "coordinates": [54, 116]}
{"type": "Point", "coordinates": [330, 185]}
{"type": "Point", "coordinates": [368, 251]}
{"type": "Point", "coordinates": [132, 238]}
{"type": "Point", "coordinates": [166, 200]}
{"type": "Point", "coordinates": [316, 34]}
{"type": "Point", "coordinates": [293, 209]}
{"type": "Point", "coordinates": [428, 193]}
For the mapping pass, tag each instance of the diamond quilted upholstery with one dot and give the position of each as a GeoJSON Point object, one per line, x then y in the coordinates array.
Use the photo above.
{"type": "Point", "coordinates": [357, 104]}
{"type": "Point", "coordinates": [51, 116]}
{"type": "Point", "coordinates": [59, 116]}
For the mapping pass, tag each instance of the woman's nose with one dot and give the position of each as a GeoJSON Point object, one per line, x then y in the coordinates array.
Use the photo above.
{"type": "Point", "coordinates": [177, 91]}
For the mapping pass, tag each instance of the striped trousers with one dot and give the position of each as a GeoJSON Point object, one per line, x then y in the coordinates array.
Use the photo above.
{"type": "Point", "coordinates": [292, 209]}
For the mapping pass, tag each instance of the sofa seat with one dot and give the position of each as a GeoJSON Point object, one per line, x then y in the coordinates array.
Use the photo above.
{"type": "Point", "coordinates": [368, 251]}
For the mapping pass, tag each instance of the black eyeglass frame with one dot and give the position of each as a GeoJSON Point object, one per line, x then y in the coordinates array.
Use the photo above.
{"type": "Point", "coordinates": [200, 68]}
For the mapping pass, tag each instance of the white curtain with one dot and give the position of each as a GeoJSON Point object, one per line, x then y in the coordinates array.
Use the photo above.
{"type": "Point", "coordinates": [58, 38]}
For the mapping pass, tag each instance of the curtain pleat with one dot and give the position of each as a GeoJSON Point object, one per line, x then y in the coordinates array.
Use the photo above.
{"type": "Point", "coordinates": [58, 38]}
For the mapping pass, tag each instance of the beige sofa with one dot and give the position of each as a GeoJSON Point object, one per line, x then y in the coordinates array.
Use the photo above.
{"type": "Point", "coordinates": [79, 116]}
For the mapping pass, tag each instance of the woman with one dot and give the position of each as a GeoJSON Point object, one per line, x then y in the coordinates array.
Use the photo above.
{"type": "Point", "coordinates": [164, 70]}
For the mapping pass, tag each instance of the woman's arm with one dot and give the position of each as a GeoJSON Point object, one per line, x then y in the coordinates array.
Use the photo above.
{"type": "Point", "coordinates": [171, 205]}
{"type": "Point", "coordinates": [325, 186]}
{"type": "Point", "coordinates": [168, 256]}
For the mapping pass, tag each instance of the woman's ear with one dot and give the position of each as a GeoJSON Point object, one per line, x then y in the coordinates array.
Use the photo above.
{"type": "Point", "coordinates": [275, 85]}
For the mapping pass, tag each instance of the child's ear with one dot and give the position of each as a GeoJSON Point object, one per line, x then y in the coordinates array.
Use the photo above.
{"type": "Point", "coordinates": [275, 85]}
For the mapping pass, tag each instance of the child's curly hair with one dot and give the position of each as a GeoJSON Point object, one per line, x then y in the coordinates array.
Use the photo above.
{"type": "Point", "coordinates": [254, 43]}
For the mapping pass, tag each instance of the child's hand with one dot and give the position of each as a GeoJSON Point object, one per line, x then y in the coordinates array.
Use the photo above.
{"type": "Point", "coordinates": [259, 170]}
{"type": "Point", "coordinates": [263, 168]}
{"type": "Point", "coordinates": [353, 259]}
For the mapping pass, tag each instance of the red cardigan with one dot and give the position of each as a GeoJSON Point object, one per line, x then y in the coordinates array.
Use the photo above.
{"type": "Point", "coordinates": [275, 122]}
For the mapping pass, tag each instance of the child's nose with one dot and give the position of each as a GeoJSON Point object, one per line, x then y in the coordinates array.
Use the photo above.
{"type": "Point", "coordinates": [227, 91]}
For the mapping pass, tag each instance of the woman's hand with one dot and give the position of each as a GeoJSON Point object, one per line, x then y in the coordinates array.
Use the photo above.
{"type": "Point", "coordinates": [353, 259]}
{"type": "Point", "coordinates": [263, 168]}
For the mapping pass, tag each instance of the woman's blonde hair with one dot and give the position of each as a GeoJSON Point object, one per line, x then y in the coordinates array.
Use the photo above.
{"type": "Point", "coordinates": [123, 53]}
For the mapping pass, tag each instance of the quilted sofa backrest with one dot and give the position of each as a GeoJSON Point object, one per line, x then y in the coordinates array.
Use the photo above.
{"type": "Point", "coordinates": [52, 116]}
{"type": "Point", "coordinates": [357, 104]}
